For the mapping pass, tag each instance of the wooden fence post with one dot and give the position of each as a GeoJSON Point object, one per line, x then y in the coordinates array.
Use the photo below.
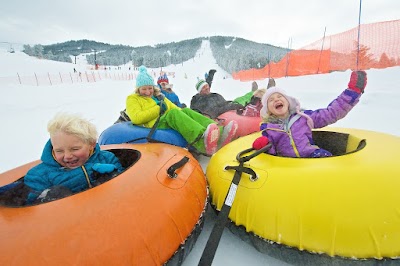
{"type": "Point", "coordinates": [48, 74]}
{"type": "Point", "coordinates": [37, 82]}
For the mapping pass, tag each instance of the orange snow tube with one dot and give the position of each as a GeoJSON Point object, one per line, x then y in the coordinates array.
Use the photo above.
{"type": "Point", "coordinates": [148, 215]}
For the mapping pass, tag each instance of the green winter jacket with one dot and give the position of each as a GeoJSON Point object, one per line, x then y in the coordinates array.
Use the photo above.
{"type": "Point", "coordinates": [245, 99]}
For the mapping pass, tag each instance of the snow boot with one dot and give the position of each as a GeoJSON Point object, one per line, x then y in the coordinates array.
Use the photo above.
{"type": "Point", "coordinates": [123, 117]}
{"type": "Point", "coordinates": [271, 83]}
{"type": "Point", "coordinates": [229, 133]}
{"type": "Point", "coordinates": [211, 137]}
{"type": "Point", "coordinates": [210, 76]}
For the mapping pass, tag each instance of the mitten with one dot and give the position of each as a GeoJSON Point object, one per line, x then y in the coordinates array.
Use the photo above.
{"type": "Point", "coordinates": [156, 100]}
{"type": "Point", "coordinates": [358, 81]}
{"type": "Point", "coordinates": [160, 97]}
{"type": "Point", "coordinates": [163, 107]}
{"type": "Point", "coordinates": [103, 168]}
{"type": "Point", "coordinates": [260, 143]}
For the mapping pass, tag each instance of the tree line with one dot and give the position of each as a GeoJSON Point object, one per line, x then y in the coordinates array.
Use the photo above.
{"type": "Point", "coordinates": [231, 53]}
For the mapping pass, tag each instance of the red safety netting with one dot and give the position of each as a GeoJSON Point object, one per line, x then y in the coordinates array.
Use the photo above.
{"type": "Point", "coordinates": [379, 47]}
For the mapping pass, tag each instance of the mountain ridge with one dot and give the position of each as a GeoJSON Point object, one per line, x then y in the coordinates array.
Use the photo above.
{"type": "Point", "coordinates": [231, 53]}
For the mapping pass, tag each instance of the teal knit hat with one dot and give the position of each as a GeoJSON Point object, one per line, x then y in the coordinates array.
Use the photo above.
{"type": "Point", "coordinates": [143, 78]}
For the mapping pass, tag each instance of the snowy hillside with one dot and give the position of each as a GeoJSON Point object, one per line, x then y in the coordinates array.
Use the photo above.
{"type": "Point", "coordinates": [25, 111]}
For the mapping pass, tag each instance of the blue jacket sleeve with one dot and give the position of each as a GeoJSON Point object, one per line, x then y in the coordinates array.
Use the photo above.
{"type": "Point", "coordinates": [37, 179]}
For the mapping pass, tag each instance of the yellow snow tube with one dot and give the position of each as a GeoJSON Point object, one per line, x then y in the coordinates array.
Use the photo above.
{"type": "Point", "coordinates": [347, 205]}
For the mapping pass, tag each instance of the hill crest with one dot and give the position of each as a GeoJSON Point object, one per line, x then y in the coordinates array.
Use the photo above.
{"type": "Point", "coordinates": [231, 53]}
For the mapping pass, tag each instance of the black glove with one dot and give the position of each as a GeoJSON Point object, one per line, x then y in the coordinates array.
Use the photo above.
{"type": "Point", "coordinates": [358, 81]}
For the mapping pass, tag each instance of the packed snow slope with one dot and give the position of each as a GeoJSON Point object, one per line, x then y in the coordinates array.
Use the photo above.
{"type": "Point", "coordinates": [26, 109]}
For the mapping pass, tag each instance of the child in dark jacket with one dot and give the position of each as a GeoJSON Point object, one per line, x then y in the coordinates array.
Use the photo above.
{"type": "Point", "coordinates": [289, 130]}
{"type": "Point", "coordinates": [210, 104]}
{"type": "Point", "coordinates": [70, 158]}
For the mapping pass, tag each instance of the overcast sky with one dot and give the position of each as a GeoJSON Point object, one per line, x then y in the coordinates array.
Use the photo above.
{"type": "Point", "coordinates": [138, 23]}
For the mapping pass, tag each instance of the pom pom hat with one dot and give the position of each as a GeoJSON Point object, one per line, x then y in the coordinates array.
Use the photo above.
{"type": "Point", "coordinates": [294, 104]}
{"type": "Point", "coordinates": [143, 78]}
{"type": "Point", "coordinates": [200, 84]}
{"type": "Point", "coordinates": [163, 78]}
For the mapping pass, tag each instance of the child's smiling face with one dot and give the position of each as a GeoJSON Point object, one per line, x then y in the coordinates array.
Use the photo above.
{"type": "Point", "coordinates": [146, 91]}
{"type": "Point", "coordinates": [278, 105]}
{"type": "Point", "coordinates": [70, 151]}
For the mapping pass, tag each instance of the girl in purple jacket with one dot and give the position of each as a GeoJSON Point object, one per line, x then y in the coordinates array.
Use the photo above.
{"type": "Point", "coordinates": [289, 130]}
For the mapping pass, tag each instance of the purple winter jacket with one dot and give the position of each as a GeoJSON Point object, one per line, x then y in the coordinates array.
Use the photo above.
{"type": "Point", "coordinates": [292, 137]}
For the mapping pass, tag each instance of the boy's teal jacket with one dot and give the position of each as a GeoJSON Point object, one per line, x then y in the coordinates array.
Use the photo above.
{"type": "Point", "coordinates": [50, 173]}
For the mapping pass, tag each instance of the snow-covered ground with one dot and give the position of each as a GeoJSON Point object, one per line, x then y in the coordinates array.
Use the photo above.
{"type": "Point", "coordinates": [26, 109]}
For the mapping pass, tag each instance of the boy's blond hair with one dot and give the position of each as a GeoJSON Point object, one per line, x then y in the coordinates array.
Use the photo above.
{"type": "Point", "coordinates": [73, 124]}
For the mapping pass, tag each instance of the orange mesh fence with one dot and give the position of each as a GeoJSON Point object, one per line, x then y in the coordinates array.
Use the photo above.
{"type": "Point", "coordinates": [379, 47]}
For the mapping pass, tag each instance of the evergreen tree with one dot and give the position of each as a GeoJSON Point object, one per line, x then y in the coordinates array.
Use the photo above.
{"type": "Point", "coordinates": [360, 55]}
